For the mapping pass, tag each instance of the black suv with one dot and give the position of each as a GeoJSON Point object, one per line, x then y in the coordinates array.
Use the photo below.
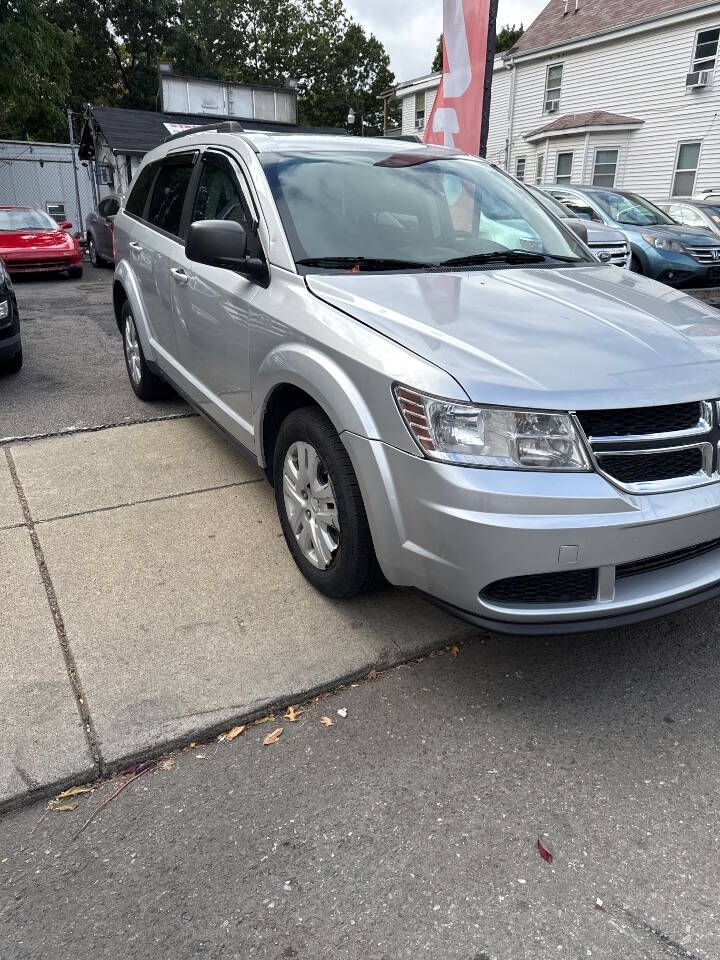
{"type": "Point", "coordinates": [11, 356]}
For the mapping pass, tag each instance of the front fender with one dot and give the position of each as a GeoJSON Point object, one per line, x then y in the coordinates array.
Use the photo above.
{"type": "Point", "coordinates": [127, 281]}
{"type": "Point", "coordinates": [318, 375]}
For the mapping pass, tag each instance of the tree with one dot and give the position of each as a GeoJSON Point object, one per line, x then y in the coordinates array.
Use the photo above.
{"type": "Point", "coordinates": [508, 37]}
{"type": "Point", "coordinates": [437, 63]}
{"type": "Point", "coordinates": [34, 73]}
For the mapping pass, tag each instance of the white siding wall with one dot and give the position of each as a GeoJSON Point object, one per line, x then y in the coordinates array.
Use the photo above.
{"type": "Point", "coordinates": [642, 77]}
{"type": "Point", "coordinates": [499, 102]}
{"type": "Point", "coordinates": [408, 114]}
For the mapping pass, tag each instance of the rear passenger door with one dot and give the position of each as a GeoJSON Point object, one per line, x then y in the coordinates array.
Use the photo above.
{"type": "Point", "coordinates": [213, 307]}
{"type": "Point", "coordinates": [156, 246]}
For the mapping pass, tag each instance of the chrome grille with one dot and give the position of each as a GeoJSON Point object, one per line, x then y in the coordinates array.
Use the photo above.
{"type": "Point", "coordinates": [618, 253]}
{"type": "Point", "coordinates": [709, 255]}
{"type": "Point", "coordinates": [655, 449]}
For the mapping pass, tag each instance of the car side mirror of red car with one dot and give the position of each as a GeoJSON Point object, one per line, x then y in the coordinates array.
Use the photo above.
{"type": "Point", "coordinates": [66, 225]}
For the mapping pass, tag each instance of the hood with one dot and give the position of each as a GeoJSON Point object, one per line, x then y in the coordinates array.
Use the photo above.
{"type": "Point", "coordinates": [12, 241]}
{"type": "Point", "coordinates": [560, 339]}
{"type": "Point", "coordinates": [696, 236]}
{"type": "Point", "coordinates": [596, 233]}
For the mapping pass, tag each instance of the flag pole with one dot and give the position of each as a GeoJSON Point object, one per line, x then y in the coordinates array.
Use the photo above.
{"type": "Point", "coordinates": [489, 60]}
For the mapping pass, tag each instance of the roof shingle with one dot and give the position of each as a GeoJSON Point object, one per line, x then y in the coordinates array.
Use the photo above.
{"type": "Point", "coordinates": [551, 28]}
{"type": "Point", "coordinates": [590, 118]}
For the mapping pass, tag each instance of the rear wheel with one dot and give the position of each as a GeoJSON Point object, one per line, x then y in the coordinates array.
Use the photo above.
{"type": "Point", "coordinates": [13, 364]}
{"type": "Point", "coordinates": [146, 384]}
{"type": "Point", "coordinates": [321, 507]}
{"type": "Point", "coordinates": [95, 259]}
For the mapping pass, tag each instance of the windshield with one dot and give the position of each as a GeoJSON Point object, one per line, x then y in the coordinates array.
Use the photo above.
{"type": "Point", "coordinates": [408, 209]}
{"type": "Point", "coordinates": [712, 211]}
{"type": "Point", "coordinates": [26, 220]}
{"type": "Point", "coordinates": [550, 203]}
{"type": "Point", "coordinates": [630, 208]}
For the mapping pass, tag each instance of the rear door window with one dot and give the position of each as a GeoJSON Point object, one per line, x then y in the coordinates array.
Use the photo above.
{"type": "Point", "coordinates": [168, 195]}
{"type": "Point", "coordinates": [140, 190]}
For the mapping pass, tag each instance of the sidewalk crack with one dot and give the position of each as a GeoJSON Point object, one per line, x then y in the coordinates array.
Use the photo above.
{"type": "Point", "coordinates": [70, 665]}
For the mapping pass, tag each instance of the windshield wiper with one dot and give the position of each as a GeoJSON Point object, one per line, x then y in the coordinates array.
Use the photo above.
{"type": "Point", "coordinates": [361, 263]}
{"type": "Point", "coordinates": [506, 256]}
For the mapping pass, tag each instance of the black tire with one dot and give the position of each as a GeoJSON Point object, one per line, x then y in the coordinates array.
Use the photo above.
{"type": "Point", "coordinates": [146, 384]}
{"type": "Point", "coordinates": [636, 265]}
{"type": "Point", "coordinates": [13, 364]}
{"type": "Point", "coordinates": [95, 259]}
{"type": "Point", "coordinates": [75, 273]}
{"type": "Point", "coordinates": [354, 568]}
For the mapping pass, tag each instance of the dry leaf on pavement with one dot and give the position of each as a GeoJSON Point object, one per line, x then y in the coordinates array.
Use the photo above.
{"type": "Point", "coordinates": [231, 734]}
{"type": "Point", "coordinates": [454, 650]}
{"type": "Point", "coordinates": [73, 792]}
{"type": "Point", "coordinates": [65, 807]}
{"type": "Point", "coordinates": [273, 737]}
{"type": "Point", "coordinates": [292, 714]}
{"type": "Point", "coordinates": [326, 721]}
{"type": "Point", "coordinates": [167, 764]}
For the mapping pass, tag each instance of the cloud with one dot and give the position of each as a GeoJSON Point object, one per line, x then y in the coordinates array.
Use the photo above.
{"type": "Point", "coordinates": [410, 28]}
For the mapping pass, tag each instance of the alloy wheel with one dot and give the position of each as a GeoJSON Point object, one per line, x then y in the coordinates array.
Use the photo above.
{"type": "Point", "coordinates": [132, 351]}
{"type": "Point", "coordinates": [311, 504]}
{"type": "Point", "coordinates": [92, 252]}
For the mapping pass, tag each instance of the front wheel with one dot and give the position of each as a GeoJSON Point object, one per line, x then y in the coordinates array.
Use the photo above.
{"type": "Point", "coordinates": [13, 364]}
{"type": "Point", "coordinates": [75, 273]}
{"type": "Point", "coordinates": [321, 508]}
{"type": "Point", "coordinates": [635, 264]}
{"type": "Point", "coordinates": [95, 259]}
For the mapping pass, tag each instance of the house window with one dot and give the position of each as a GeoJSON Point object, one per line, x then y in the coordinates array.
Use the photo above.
{"type": "Point", "coordinates": [520, 168]}
{"type": "Point", "coordinates": [419, 111]}
{"type": "Point", "coordinates": [56, 211]}
{"type": "Point", "coordinates": [553, 82]}
{"type": "Point", "coordinates": [563, 168]}
{"type": "Point", "coordinates": [686, 166]}
{"type": "Point", "coordinates": [706, 47]}
{"type": "Point", "coordinates": [605, 168]}
{"type": "Point", "coordinates": [539, 166]}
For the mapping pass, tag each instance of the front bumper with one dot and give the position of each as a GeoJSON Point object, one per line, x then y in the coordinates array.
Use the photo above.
{"type": "Point", "coordinates": [452, 531]}
{"type": "Point", "coordinates": [9, 329]}
{"type": "Point", "coordinates": [678, 269]}
{"type": "Point", "coordinates": [44, 264]}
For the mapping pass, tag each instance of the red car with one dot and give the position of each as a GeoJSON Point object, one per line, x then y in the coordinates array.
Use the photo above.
{"type": "Point", "coordinates": [32, 242]}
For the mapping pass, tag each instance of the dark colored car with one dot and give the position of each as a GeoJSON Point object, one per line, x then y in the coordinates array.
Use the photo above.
{"type": "Point", "coordinates": [11, 356]}
{"type": "Point", "coordinates": [694, 213]}
{"type": "Point", "coordinates": [99, 228]}
{"type": "Point", "coordinates": [32, 242]}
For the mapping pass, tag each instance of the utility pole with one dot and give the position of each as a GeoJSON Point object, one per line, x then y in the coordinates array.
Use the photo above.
{"type": "Point", "coordinates": [75, 173]}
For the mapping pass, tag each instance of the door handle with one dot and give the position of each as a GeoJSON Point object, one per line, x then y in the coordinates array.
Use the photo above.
{"type": "Point", "coordinates": [179, 275]}
{"type": "Point", "coordinates": [135, 245]}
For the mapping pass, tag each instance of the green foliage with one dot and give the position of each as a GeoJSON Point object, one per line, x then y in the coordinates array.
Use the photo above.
{"type": "Point", "coordinates": [508, 37]}
{"type": "Point", "coordinates": [437, 63]}
{"type": "Point", "coordinates": [34, 73]}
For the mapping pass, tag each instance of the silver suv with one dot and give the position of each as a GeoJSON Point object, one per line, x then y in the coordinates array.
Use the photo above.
{"type": "Point", "coordinates": [441, 382]}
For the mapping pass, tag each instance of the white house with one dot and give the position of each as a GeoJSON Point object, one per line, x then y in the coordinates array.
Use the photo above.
{"type": "Point", "coordinates": [608, 92]}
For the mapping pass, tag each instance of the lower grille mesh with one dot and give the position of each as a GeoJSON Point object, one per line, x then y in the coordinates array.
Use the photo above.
{"type": "Point", "coordinates": [648, 564]}
{"type": "Point", "coordinates": [644, 467]}
{"type": "Point", "coordinates": [567, 586]}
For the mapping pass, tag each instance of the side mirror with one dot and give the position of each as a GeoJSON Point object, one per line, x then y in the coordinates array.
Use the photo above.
{"type": "Point", "coordinates": [578, 227]}
{"type": "Point", "coordinates": [223, 243]}
{"type": "Point", "coordinates": [66, 225]}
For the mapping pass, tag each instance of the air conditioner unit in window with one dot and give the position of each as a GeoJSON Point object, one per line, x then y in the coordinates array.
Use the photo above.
{"type": "Point", "coordinates": [551, 106]}
{"type": "Point", "coordinates": [420, 123]}
{"type": "Point", "coordinates": [697, 80]}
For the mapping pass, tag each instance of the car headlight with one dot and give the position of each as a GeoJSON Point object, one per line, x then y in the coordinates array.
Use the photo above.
{"type": "Point", "coordinates": [479, 436]}
{"type": "Point", "coordinates": [662, 243]}
{"type": "Point", "coordinates": [4, 309]}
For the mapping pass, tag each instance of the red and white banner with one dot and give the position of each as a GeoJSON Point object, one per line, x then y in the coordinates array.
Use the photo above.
{"type": "Point", "coordinates": [456, 117]}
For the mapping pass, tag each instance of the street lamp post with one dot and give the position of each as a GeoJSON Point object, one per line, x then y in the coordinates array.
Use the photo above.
{"type": "Point", "coordinates": [351, 120]}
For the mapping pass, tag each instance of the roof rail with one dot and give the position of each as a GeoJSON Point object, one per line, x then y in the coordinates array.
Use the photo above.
{"type": "Point", "coordinates": [407, 137]}
{"type": "Point", "coordinates": [222, 126]}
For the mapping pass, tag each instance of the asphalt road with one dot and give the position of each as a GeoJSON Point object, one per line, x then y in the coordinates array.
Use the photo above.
{"type": "Point", "coordinates": [74, 372]}
{"type": "Point", "coordinates": [409, 828]}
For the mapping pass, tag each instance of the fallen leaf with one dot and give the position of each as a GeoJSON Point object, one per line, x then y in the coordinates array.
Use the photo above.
{"type": "Point", "coordinates": [273, 737]}
{"type": "Point", "coordinates": [454, 650]}
{"type": "Point", "coordinates": [167, 764]}
{"type": "Point", "coordinates": [73, 792]}
{"type": "Point", "coordinates": [544, 851]}
{"type": "Point", "coordinates": [270, 716]}
{"type": "Point", "coordinates": [231, 734]}
{"type": "Point", "coordinates": [342, 712]}
{"type": "Point", "coordinates": [326, 721]}
{"type": "Point", "coordinates": [65, 807]}
{"type": "Point", "coordinates": [292, 713]}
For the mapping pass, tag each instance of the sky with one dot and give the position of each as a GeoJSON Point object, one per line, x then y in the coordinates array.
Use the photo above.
{"type": "Point", "coordinates": [409, 28]}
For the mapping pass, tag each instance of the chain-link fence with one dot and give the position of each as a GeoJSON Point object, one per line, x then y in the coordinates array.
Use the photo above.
{"type": "Point", "coordinates": [41, 175]}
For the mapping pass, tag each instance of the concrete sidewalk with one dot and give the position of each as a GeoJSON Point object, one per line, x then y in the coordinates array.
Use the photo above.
{"type": "Point", "coordinates": [149, 599]}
